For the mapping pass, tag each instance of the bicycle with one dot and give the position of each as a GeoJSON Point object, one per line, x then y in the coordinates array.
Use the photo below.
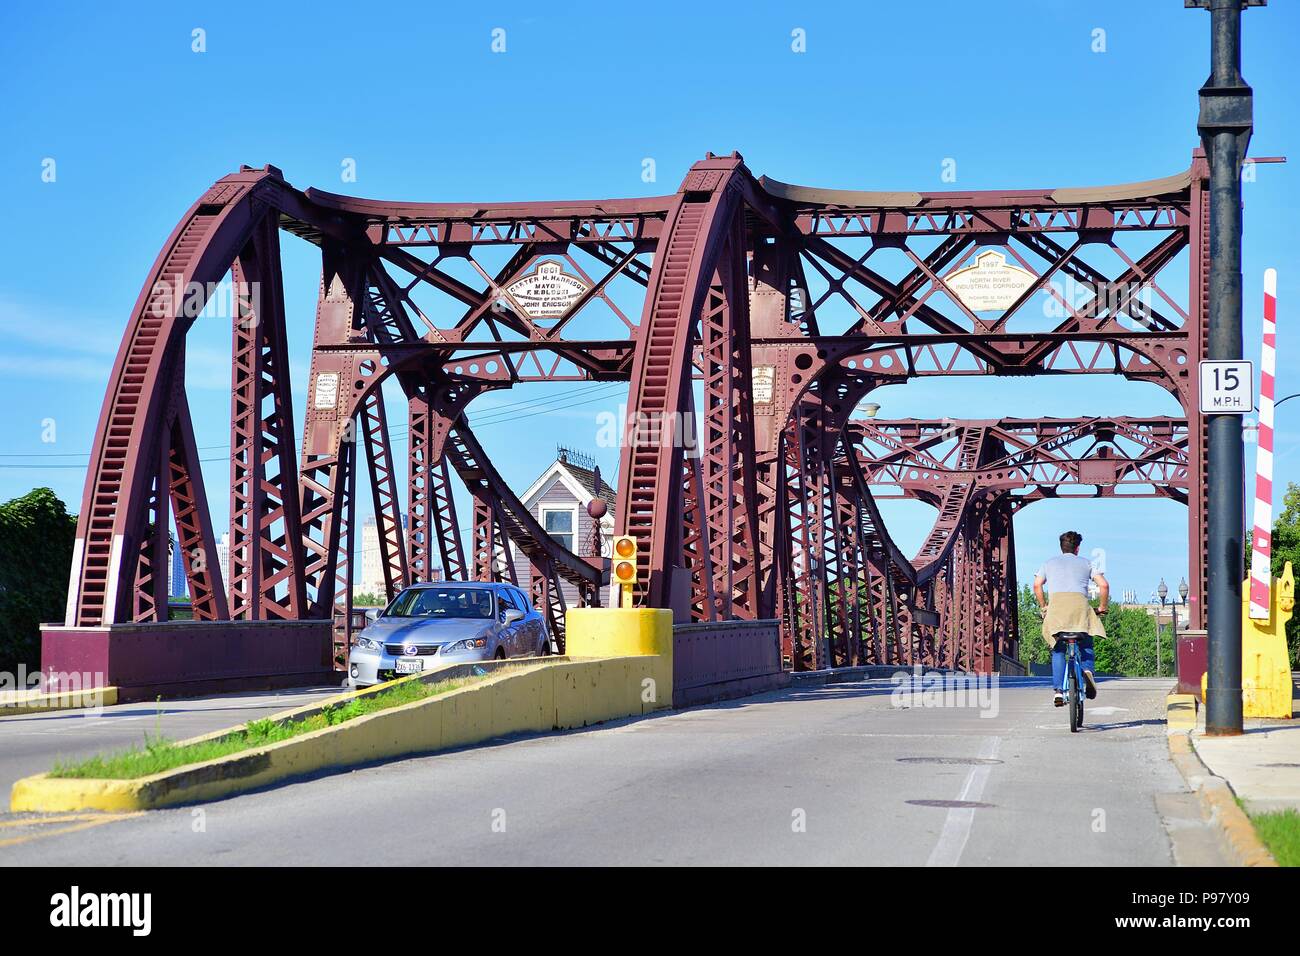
{"type": "Point", "coordinates": [1072, 687]}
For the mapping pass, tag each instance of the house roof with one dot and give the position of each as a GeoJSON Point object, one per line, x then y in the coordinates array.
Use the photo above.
{"type": "Point", "coordinates": [587, 478]}
{"type": "Point", "coordinates": [581, 481]}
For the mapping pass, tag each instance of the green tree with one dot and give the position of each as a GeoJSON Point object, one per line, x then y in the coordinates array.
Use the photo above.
{"type": "Point", "coordinates": [36, 537]}
{"type": "Point", "coordinates": [1033, 649]}
{"type": "Point", "coordinates": [1130, 644]}
{"type": "Point", "coordinates": [1129, 647]}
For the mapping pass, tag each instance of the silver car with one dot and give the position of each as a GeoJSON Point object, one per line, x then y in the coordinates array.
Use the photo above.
{"type": "Point", "coordinates": [447, 622]}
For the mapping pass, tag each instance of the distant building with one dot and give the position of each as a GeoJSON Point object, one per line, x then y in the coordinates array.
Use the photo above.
{"type": "Point", "coordinates": [1169, 612]}
{"type": "Point", "coordinates": [223, 559]}
{"type": "Point", "coordinates": [371, 578]}
{"type": "Point", "coordinates": [177, 585]}
{"type": "Point", "coordinates": [558, 500]}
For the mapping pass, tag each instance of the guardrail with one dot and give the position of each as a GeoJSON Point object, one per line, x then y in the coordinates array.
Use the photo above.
{"type": "Point", "coordinates": [1010, 667]}
{"type": "Point", "coordinates": [721, 659]}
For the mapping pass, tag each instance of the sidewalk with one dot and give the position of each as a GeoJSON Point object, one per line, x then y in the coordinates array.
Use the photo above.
{"type": "Point", "coordinates": [1262, 765]}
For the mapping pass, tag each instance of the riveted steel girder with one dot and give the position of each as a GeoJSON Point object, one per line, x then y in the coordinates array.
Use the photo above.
{"type": "Point", "coordinates": [767, 312]}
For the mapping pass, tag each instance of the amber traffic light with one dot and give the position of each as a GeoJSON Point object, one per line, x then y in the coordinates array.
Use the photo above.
{"type": "Point", "coordinates": [624, 570]}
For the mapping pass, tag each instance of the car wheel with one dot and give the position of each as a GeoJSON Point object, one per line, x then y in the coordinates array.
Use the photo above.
{"type": "Point", "coordinates": [500, 654]}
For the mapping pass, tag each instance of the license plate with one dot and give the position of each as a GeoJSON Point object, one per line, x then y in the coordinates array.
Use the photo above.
{"type": "Point", "coordinates": [409, 665]}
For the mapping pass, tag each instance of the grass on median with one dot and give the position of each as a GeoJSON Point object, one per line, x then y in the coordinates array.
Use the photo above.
{"type": "Point", "coordinates": [1280, 832]}
{"type": "Point", "coordinates": [159, 753]}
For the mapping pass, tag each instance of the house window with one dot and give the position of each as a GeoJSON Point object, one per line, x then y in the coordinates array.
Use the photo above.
{"type": "Point", "coordinates": [559, 524]}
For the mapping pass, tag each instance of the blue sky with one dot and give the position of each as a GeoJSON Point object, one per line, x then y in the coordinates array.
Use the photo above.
{"type": "Point", "coordinates": [139, 124]}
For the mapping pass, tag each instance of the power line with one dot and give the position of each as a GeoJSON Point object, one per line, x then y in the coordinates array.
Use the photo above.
{"type": "Point", "coordinates": [541, 406]}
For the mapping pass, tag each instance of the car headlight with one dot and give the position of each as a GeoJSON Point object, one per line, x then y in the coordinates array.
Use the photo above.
{"type": "Point", "coordinates": [469, 644]}
{"type": "Point", "coordinates": [366, 643]}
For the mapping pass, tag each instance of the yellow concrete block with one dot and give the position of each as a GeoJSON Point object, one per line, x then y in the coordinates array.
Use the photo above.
{"type": "Point", "coordinates": [522, 706]}
{"type": "Point", "coordinates": [546, 717]}
{"type": "Point", "coordinates": [618, 631]}
{"type": "Point", "coordinates": [627, 633]}
{"type": "Point", "coordinates": [90, 698]}
{"type": "Point", "coordinates": [1265, 659]}
{"type": "Point", "coordinates": [42, 794]}
{"type": "Point", "coordinates": [659, 694]}
{"type": "Point", "coordinates": [1180, 711]}
{"type": "Point", "coordinates": [572, 693]}
{"type": "Point", "coordinates": [601, 689]}
{"type": "Point", "coordinates": [613, 696]}
{"type": "Point", "coordinates": [467, 717]}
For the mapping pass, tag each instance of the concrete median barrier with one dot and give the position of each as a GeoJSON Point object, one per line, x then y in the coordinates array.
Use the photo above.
{"type": "Point", "coordinates": [619, 675]}
{"type": "Point", "coordinates": [90, 698]}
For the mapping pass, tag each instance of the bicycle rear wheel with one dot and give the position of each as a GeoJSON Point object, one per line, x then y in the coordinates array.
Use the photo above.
{"type": "Point", "coordinates": [1075, 702]}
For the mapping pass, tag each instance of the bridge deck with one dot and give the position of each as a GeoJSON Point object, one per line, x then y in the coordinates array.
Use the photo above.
{"type": "Point", "coordinates": [721, 784]}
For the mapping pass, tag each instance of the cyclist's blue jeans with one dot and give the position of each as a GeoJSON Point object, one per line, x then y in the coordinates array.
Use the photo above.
{"type": "Point", "coordinates": [1087, 656]}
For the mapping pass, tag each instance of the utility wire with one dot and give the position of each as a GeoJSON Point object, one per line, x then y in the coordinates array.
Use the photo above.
{"type": "Point", "coordinates": [541, 406]}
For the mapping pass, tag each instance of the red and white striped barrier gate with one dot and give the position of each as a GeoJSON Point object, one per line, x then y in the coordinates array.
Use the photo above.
{"type": "Point", "coordinates": [1261, 577]}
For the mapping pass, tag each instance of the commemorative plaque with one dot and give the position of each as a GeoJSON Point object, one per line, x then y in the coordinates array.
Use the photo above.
{"type": "Point", "coordinates": [547, 292]}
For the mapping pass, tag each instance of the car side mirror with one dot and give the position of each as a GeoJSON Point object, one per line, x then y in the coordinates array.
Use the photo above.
{"type": "Point", "coordinates": [512, 614]}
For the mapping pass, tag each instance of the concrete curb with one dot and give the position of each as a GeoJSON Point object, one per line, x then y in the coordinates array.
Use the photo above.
{"type": "Point", "coordinates": [87, 699]}
{"type": "Point", "coordinates": [846, 675]}
{"type": "Point", "coordinates": [1180, 711]}
{"type": "Point", "coordinates": [1219, 803]}
{"type": "Point", "coordinates": [528, 696]}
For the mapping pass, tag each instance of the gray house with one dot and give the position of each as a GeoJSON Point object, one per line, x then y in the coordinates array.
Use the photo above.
{"type": "Point", "coordinates": [558, 500]}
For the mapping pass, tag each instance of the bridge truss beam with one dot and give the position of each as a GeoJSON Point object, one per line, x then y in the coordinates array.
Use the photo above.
{"type": "Point", "coordinates": [767, 313]}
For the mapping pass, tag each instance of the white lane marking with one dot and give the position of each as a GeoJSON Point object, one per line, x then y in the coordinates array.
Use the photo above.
{"type": "Point", "coordinates": [956, 827]}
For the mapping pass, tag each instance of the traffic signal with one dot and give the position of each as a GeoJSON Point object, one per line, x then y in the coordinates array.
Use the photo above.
{"type": "Point", "coordinates": [623, 569]}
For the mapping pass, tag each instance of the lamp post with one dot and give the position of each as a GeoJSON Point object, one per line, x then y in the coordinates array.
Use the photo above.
{"type": "Point", "coordinates": [1225, 124]}
{"type": "Point", "coordinates": [1163, 592]}
{"type": "Point", "coordinates": [1182, 593]}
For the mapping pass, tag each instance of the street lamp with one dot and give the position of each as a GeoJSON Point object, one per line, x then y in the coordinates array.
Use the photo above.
{"type": "Point", "coordinates": [1225, 123]}
{"type": "Point", "coordinates": [871, 409]}
{"type": "Point", "coordinates": [1163, 591]}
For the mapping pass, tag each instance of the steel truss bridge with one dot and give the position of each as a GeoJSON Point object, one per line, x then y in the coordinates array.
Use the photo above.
{"type": "Point", "coordinates": [763, 313]}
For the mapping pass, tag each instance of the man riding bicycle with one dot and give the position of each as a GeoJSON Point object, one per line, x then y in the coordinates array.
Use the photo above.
{"type": "Point", "coordinates": [1067, 610]}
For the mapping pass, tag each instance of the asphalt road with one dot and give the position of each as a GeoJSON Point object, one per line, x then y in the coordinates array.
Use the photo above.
{"type": "Point", "coordinates": [30, 743]}
{"type": "Point", "coordinates": [842, 774]}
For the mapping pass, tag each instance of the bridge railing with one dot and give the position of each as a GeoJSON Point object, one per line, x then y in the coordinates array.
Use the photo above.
{"type": "Point", "coordinates": [1010, 667]}
{"type": "Point", "coordinates": [716, 660]}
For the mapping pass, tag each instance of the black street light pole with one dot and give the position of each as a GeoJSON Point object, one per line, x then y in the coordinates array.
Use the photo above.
{"type": "Point", "coordinates": [1225, 124]}
{"type": "Point", "coordinates": [1163, 592]}
{"type": "Point", "coordinates": [1183, 589]}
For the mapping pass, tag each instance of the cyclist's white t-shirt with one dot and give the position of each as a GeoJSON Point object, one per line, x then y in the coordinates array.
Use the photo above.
{"type": "Point", "coordinates": [1066, 572]}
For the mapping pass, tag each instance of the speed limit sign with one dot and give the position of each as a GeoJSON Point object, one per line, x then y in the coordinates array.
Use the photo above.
{"type": "Point", "coordinates": [1227, 387]}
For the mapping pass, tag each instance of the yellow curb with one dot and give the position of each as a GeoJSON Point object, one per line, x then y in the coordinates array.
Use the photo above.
{"type": "Point", "coordinates": [533, 695]}
{"type": "Point", "coordinates": [89, 698]}
{"type": "Point", "coordinates": [1180, 711]}
{"type": "Point", "coordinates": [1219, 803]}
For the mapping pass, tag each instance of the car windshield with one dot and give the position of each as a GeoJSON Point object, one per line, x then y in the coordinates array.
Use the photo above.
{"type": "Point", "coordinates": [442, 602]}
